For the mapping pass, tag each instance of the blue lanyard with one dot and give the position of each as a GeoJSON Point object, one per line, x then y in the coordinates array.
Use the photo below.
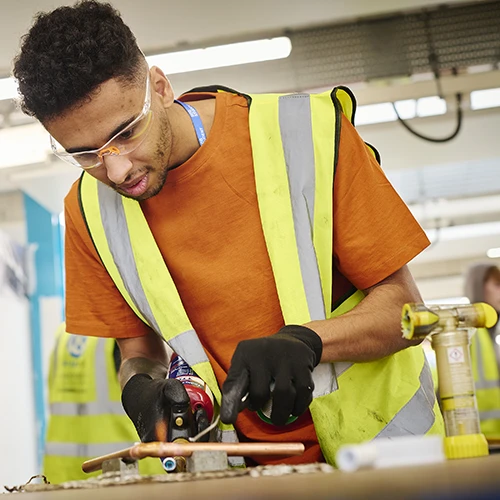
{"type": "Point", "coordinates": [195, 120]}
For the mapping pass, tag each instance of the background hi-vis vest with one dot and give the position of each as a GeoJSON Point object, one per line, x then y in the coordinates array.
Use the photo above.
{"type": "Point", "coordinates": [294, 146]}
{"type": "Point", "coordinates": [487, 382]}
{"type": "Point", "coordinates": [86, 414]}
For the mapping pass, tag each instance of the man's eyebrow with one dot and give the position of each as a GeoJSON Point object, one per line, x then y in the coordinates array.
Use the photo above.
{"type": "Point", "coordinates": [119, 128]}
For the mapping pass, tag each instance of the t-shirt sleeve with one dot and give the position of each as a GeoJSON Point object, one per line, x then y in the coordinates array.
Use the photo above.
{"type": "Point", "coordinates": [94, 306]}
{"type": "Point", "coordinates": [375, 233]}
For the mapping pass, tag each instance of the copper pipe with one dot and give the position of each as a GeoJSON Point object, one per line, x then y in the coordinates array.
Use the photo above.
{"type": "Point", "coordinates": [158, 449]}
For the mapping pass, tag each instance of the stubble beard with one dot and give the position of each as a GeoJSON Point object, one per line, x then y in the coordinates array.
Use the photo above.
{"type": "Point", "coordinates": [161, 158]}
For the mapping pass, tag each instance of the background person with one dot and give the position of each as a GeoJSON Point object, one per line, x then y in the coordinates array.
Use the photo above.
{"type": "Point", "coordinates": [86, 418]}
{"type": "Point", "coordinates": [482, 284]}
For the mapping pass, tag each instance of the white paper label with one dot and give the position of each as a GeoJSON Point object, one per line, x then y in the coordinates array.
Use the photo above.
{"type": "Point", "coordinates": [456, 355]}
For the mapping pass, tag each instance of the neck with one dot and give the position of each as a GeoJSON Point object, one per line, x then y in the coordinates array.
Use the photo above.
{"type": "Point", "coordinates": [184, 140]}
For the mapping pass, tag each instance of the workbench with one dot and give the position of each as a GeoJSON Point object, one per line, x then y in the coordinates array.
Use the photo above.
{"type": "Point", "coordinates": [477, 478]}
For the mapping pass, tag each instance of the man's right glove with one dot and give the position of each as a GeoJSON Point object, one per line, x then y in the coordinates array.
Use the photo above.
{"type": "Point", "coordinates": [149, 403]}
{"type": "Point", "coordinates": [284, 360]}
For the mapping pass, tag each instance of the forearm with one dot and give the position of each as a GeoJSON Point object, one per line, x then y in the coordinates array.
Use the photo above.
{"type": "Point", "coordinates": [372, 330]}
{"type": "Point", "coordinates": [148, 354]}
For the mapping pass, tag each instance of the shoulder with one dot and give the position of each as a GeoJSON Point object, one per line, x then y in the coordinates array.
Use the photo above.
{"type": "Point", "coordinates": [77, 234]}
{"type": "Point", "coordinates": [72, 202]}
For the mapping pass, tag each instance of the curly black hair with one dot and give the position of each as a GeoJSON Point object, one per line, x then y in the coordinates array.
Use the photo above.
{"type": "Point", "coordinates": [69, 52]}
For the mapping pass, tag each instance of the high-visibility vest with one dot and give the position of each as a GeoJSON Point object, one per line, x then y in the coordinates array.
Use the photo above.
{"type": "Point", "coordinates": [294, 142]}
{"type": "Point", "coordinates": [86, 414]}
{"type": "Point", "coordinates": [487, 382]}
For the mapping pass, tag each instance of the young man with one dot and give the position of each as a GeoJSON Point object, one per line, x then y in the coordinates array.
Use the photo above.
{"type": "Point", "coordinates": [482, 284]}
{"type": "Point", "coordinates": [235, 250]}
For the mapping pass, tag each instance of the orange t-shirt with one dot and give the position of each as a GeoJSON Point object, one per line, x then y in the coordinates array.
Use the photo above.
{"type": "Point", "coordinates": [206, 223]}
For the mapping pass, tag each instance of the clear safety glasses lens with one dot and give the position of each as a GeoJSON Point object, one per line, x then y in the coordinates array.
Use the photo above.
{"type": "Point", "coordinates": [129, 139]}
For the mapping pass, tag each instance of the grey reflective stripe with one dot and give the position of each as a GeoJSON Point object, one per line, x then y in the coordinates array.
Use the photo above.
{"type": "Point", "coordinates": [298, 147]}
{"type": "Point", "coordinates": [116, 230]}
{"type": "Point", "coordinates": [416, 416]}
{"type": "Point", "coordinates": [102, 404]}
{"type": "Point", "coordinates": [325, 380]}
{"type": "Point", "coordinates": [489, 415]}
{"type": "Point", "coordinates": [83, 450]}
{"type": "Point", "coordinates": [102, 383]}
{"type": "Point", "coordinates": [342, 366]}
{"type": "Point", "coordinates": [188, 346]}
{"type": "Point", "coordinates": [482, 382]}
{"type": "Point", "coordinates": [86, 409]}
{"type": "Point", "coordinates": [55, 355]}
{"type": "Point", "coordinates": [487, 384]}
{"type": "Point", "coordinates": [229, 436]}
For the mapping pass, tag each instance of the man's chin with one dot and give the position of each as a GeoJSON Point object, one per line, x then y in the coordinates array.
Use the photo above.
{"type": "Point", "coordinates": [149, 193]}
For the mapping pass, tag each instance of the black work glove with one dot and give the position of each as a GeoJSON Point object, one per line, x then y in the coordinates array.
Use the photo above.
{"type": "Point", "coordinates": [286, 358]}
{"type": "Point", "coordinates": [150, 403]}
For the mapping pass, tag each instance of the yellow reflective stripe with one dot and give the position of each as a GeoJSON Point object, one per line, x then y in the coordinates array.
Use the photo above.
{"type": "Point", "coordinates": [157, 283]}
{"type": "Point", "coordinates": [103, 428]}
{"type": "Point", "coordinates": [159, 287]}
{"type": "Point", "coordinates": [114, 390]}
{"type": "Point", "coordinates": [323, 118]}
{"type": "Point", "coordinates": [487, 353]}
{"type": "Point", "coordinates": [349, 303]}
{"type": "Point", "coordinates": [346, 102]}
{"type": "Point", "coordinates": [60, 469]}
{"type": "Point", "coordinates": [275, 207]}
{"type": "Point", "coordinates": [438, 425]}
{"type": "Point", "coordinates": [340, 419]}
{"type": "Point", "coordinates": [372, 151]}
{"type": "Point", "coordinates": [91, 207]}
{"type": "Point", "coordinates": [205, 371]}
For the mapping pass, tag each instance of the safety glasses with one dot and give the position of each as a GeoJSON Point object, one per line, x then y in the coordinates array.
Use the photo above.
{"type": "Point", "coordinates": [124, 142]}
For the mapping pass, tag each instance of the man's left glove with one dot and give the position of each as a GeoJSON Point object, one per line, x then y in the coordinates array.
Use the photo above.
{"type": "Point", "coordinates": [286, 359]}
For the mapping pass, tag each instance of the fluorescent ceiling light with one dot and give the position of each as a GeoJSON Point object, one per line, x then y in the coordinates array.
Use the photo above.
{"type": "Point", "coordinates": [184, 61]}
{"type": "Point", "coordinates": [482, 99]}
{"type": "Point", "coordinates": [23, 145]}
{"type": "Point", "coordinates": [222, 55]}
{"type": "Point", "coordinates": [480, 68]}
{"type": "Point", "coordinates": [493, 253]}
{"type": "Point", "coordinates": [375, 113]}
{"type": "Point", "coordinates": [431, 106]}
{"type": "Point", "coordinates": [407, 109]}
{"type": "Point", "coordinates": [8, 88]}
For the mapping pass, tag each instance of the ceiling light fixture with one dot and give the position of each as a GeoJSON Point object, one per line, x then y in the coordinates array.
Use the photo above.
{"type": "Point", "coordinates": [184, 61]}
{"type": "Point", "coordinates": [8, 88]}
{"type": "Point", "coordinates": [219, 56]}
{"type": "Point", "coordinates": [493, 253]}
{"type": "Point", "coordinates": [483, 99]}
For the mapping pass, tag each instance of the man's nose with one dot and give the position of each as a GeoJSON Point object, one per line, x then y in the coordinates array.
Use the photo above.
{"type": "Point", "coordinates": [118, 168]}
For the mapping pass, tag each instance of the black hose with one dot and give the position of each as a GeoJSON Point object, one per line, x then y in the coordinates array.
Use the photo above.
{"type": "Point", "coordinates": [434, 139]}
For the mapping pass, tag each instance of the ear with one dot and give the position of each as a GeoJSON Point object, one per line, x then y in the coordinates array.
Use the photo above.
{"type": "Point", "coordinates": [161, 86]}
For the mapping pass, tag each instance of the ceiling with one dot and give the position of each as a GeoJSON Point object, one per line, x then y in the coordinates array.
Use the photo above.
{"type": "Point", "coordinates": [164, 24]}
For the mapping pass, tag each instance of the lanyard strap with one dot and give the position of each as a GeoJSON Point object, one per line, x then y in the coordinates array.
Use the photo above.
{"type": "Point", "coordinates": [195, 120]}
